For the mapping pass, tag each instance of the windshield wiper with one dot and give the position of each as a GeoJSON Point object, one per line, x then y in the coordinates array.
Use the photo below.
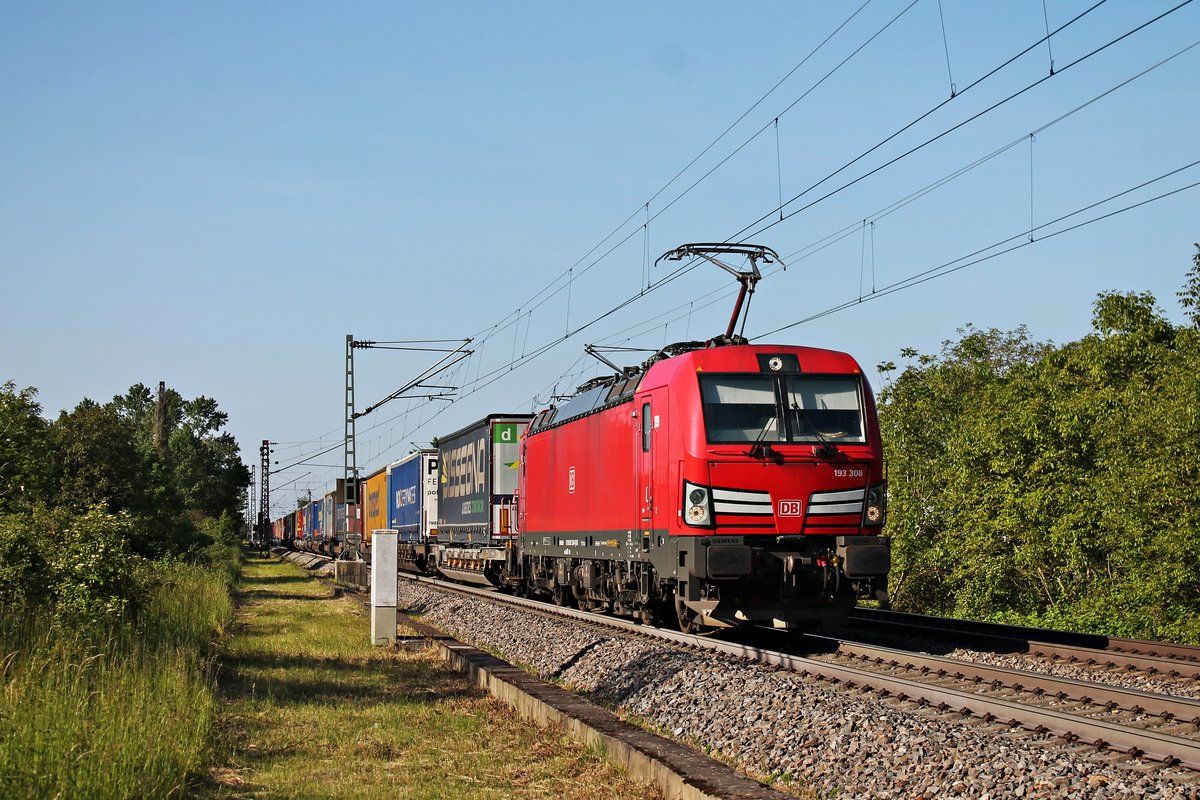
{"type": "Point", "coordinates": [826, 448]}
{"type": "Point", "coordinates": [758, 449]}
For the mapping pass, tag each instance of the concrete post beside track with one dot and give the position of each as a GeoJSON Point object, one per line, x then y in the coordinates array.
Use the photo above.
{"type": "Point", "coordinates": [383, 587]}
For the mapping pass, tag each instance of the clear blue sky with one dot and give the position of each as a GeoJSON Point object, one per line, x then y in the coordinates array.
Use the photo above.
{"type": "Point", "coordinates": [215, 194]}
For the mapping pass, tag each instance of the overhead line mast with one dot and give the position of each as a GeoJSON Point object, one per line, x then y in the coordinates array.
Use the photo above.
{"type": "Point", "coordinates": [350, 473]}
{"type": "Point", "coordinates": [251, 527]}
{"type": "Point", "coordinates": [350, 496]}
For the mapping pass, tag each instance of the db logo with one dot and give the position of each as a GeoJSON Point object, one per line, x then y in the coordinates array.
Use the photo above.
{"type": "Point", "coordinates": [790, 508]}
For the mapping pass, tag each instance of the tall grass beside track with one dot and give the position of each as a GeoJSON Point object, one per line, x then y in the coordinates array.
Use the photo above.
{"type": "Point", "coordinates": [120, 712]}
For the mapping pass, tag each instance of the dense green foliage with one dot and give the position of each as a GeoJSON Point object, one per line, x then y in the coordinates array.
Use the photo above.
{"type": "Point", "coordinates": [118, 532]}
{"type": "Point", "coordinates": [1055, 486]}
{"type": "Point", "coordinates": [86, 498]}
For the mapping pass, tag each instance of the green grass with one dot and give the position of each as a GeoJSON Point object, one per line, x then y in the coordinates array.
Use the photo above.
{"type": "Point", "coordinates": [310, 709]}
{"type": "Point", "coordinates": [120, 713]}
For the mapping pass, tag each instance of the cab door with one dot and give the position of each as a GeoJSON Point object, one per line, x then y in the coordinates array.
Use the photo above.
{"type": "Point", "coordinates": [644, 462]}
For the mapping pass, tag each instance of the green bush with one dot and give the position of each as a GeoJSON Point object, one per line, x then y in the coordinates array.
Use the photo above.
{"type": "Point", "coordinates": [79, 566]}
{"type": "Point", "coordinates": [24, 573]}
{"type": "Point", "coordinates": [94, 571]}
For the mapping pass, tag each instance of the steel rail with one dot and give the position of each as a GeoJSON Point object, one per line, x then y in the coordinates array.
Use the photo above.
{"type": "Point", "coordinates": [1169, 707]}
{"type": "Point", "coordinates": [1165, 748]}
{"type": "Point", "coordinates": [1185, 652]}
{"type": "Point", "coordinates": [1073, 647]}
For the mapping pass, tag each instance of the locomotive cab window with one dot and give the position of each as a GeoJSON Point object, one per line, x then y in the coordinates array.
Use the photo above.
{"type": "Point", "coordinates": [741, 408]}
{"type": "Point", "coordinates": [748, 409]}
{"type": "Point", "coordinates": [647, 426]}
{"type": "Point", "coordinates": [824, 409]}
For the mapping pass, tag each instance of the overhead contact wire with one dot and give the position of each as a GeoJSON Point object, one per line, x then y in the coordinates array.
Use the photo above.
{"type": "Point", "coordinates": [955, 127]}
{"type": "Point", "coordinates": [947, 268]}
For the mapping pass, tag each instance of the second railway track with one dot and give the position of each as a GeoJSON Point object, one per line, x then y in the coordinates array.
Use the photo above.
{"type": "Point", "coordinates": [1153, 658]}
{"type": "Point", "coordinates": [1157, 727]}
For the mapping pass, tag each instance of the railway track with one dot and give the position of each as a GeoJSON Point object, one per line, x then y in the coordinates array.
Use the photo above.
{"type": "Point", "coordinates": [1151, 726]}
{"type": "Point", "coordinates": [1161, 727]}
{"type": "Point", "coordinates": [1154, 658]}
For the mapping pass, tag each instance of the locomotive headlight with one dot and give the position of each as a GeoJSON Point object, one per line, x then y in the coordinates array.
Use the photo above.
{"type": "Point", "coordinates": [875, 512]}
{"type": "Point", "coordinates": [697, 509]}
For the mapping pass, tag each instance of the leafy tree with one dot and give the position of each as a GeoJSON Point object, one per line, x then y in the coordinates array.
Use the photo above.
{"type": "Point", "coordinates": [198, 463]}
{"type": "Point", "coordinates": [1189, 296]}
{"type": "Point", "coordinates": [25, 472]}
{"type": "Point", "coordinates": [208, 470]}
{"type": "Point", "coordinates": [1052, 485]}
{"type": "Point", "coordinates": [169, 470]}
{"type": "Point", "coordinates": [924, 415]}
{"type": "Point", "coordinates": [98, 461]}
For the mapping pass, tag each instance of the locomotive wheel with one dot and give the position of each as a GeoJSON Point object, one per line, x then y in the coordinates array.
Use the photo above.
{"type": "Point", "coordinates": [562, 595]}
{"type": "Point", "coordinates": [689, 621]}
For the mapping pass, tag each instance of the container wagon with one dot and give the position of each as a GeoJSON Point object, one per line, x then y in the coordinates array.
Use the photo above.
{"type": "Point", "coordinates": [477, 478]}
{"type": "Point", "coordinates": [413, 509]}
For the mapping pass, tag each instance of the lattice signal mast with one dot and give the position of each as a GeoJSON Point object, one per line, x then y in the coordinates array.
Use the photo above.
{"type": "Point", "coordinates": [264, 497]}
{"type": "Point", "coordinates": [251, 498]}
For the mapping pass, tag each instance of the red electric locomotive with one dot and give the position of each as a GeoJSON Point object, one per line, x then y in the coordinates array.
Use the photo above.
{"type": "Point", "coordinates": [721, 483]}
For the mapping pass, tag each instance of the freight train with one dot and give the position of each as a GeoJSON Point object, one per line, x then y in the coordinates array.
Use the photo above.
{"type": "Point", "coordinates": [717, 484]}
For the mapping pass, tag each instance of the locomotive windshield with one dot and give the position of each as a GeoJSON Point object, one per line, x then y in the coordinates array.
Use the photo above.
{"type": "Point", "coordinates": [747, 409]}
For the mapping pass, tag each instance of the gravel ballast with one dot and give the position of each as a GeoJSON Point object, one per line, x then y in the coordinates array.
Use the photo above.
{"type": "Point", "coordinates": [812, 736]}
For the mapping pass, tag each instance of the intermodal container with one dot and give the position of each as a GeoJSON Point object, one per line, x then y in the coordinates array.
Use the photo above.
{"type": "Point", "coordinates": [301, 523]}
{"type": "Point", "coordinates": [375, 502]}
{"type": "Point", "coordinates": [318, 517]}
{"type": "Point", "coordinates": [412, 496]}
{"type": "Point", "coordinates": [477, 479]}
{"type": "Point", "coordinates": [328, 516]}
